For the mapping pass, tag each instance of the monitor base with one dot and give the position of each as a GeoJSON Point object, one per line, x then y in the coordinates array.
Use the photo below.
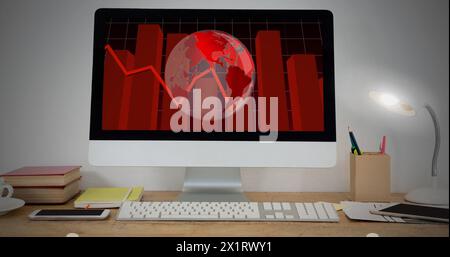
{"type": "Point", "coordinates": [205, 184]}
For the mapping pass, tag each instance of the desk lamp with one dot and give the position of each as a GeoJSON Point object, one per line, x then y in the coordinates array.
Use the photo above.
{"type": "Point", "coordinates": [426, 195]}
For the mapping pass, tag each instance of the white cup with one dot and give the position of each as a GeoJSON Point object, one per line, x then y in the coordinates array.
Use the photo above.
{"type": "Point", "coordinates": [5, 187]}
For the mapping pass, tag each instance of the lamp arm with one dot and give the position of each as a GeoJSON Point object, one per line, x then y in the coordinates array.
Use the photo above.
{"type": "Point", "coordinates": [437, 142]}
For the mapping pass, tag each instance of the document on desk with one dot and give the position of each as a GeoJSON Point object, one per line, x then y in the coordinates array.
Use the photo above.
{"type": "Point", "coordinates": [361, 211]}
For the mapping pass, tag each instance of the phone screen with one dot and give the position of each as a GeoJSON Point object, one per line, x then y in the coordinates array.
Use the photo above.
{"type": "Point", "coordinates": [425, 211]}
{"type": "Point", "coordinates": [69, 213]}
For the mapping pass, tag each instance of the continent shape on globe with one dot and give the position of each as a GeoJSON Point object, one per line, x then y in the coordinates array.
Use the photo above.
{"type": "Point", "coordinates": [213, 61]}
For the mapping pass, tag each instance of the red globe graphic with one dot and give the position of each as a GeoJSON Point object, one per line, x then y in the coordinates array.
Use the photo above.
{"type": "Point", "coordinates": [213, 61]}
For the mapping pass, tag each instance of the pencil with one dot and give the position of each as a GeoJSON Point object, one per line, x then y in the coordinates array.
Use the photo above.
{"type": "Point", "coordinates": [353, 140]}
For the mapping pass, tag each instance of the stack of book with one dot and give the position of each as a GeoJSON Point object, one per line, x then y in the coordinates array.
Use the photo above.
{"type": "Point", "coordinates": [45, 184]}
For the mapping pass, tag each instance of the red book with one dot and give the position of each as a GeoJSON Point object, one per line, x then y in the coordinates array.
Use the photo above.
{"type": "Point", "coordinates": [48, 194]}
{"type": "Point", "coordinates": [42, 176]}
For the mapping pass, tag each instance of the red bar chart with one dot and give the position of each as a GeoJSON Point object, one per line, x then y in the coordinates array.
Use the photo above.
{"type": "Point", "coordinates": [117, 91]}
{"type": "Point", "coordinates": [305, 93]}
{"type": "Point", "coordinates": [145, 92]}
{"type": "Point", "coordinates": [288, 64]}
{"type": "Point", "coordinates": [165, 111]}
{"type": "Point", "coordinates": [269, 64]}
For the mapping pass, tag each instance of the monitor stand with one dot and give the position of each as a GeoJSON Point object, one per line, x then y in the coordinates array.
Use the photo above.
{"type": "Point", "coordinates": [212, 185]}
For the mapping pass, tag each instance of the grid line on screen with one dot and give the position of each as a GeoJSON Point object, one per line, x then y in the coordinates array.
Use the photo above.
{"type": "Point", "coordinates": [296, 36]}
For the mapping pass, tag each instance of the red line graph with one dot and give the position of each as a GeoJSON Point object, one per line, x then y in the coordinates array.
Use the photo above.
{"type": "Point", "coordinates": [158, 77]}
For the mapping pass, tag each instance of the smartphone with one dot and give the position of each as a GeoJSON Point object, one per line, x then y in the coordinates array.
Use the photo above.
{"type": "Point", "coordinates": [415, 211]}
{"type": "Point", "coordinates": [69, 214]}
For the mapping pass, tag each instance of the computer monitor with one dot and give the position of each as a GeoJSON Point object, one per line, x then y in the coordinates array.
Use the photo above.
{"type": "Point", "coordinates": [213, 91]}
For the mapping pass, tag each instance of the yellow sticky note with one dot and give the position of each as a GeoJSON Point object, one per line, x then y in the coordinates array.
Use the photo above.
{"type": "Point", "coordinates": [103, 194]}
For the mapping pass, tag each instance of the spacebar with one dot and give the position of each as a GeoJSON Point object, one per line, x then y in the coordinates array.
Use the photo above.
{"type": "Point", "coordinates": [190, 217]}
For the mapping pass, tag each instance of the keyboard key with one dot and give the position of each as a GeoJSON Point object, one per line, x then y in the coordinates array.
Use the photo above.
{"type": "Point", "coordinates": [154, 215]}
{"type": "Point", "coordinates": [269, 216]}
{"type": "Point", "coordinates": [306, 211]}
{"type": "Point", "coordinates": [267, 206]}
{"type": "Point", "coordinates": [279, 215]}
{"type": "Point", "coordinates": [311, 211]}
{"type": "Point", "coordinates": [226, 216]}
{"type": "Point", "coordinates": [286, 206]}
{"type": "Point", "coordinates": [239, 216]}
{"type": "Point", "coordinates": [253, 215]}
{"type": "Point", "coordinates": [331, 211]}
{"type": "Point", "coordinates": [320, 211]}
{"type": "Point", "coordinates": [139, 216]}
{"type": "Point", "coordinates": [276, 206]}
{"type": "Point", "coordinates": [254, 206]}
{"type": "Point", "coordinates": [301, 210]}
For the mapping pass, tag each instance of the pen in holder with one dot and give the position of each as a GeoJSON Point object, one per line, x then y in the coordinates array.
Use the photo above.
{"type": "Point", "coordinates": [370, 177]}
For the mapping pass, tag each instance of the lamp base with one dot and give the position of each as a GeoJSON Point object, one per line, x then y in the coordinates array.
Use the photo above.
{"type": "Point", "coordinates": [428, 195]}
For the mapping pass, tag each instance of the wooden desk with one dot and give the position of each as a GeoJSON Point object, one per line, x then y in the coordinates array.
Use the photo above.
{"type": "Point", "coordinates": [16, 223]}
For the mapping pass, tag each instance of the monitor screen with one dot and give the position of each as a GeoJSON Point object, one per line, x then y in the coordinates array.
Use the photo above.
{"type": "Point", "coordinates": [213, 75]}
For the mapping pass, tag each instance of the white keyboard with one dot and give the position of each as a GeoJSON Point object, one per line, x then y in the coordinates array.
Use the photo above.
{"type": "Point", "coordinates": [228, 211]}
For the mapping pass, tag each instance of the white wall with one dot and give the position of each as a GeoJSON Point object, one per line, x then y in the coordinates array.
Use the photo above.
{"type": "Point", "coordinates": [403, 45]}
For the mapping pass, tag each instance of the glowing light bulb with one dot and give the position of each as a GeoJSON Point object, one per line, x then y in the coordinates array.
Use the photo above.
{"type": "Point", "coordinates": [392, 103]}
{"type": "Point", "coordinates": [388, 99]}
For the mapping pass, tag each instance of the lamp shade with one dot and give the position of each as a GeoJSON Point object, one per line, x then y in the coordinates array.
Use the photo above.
{"type": "Point", "coordinates": [392, 103]}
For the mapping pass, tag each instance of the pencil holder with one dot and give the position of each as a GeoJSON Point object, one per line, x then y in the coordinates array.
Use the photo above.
{"type": "Point", "coordinates": [370, 177]}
